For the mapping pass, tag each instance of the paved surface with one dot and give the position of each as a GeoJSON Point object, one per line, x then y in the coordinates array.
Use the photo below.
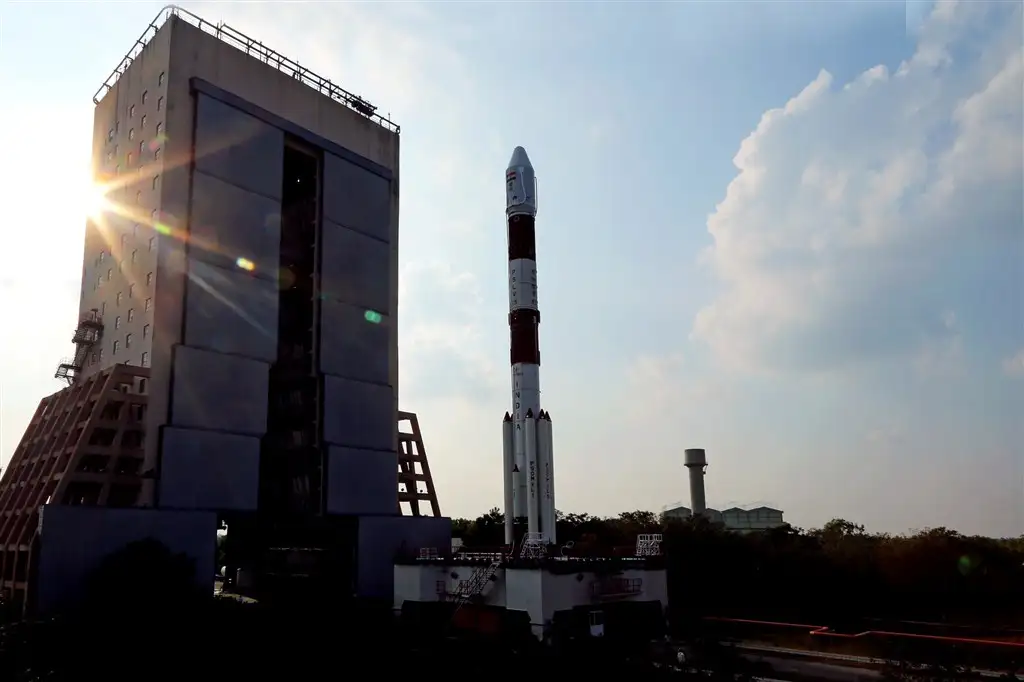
{"type": "Point", "coordinates": [838, 667]}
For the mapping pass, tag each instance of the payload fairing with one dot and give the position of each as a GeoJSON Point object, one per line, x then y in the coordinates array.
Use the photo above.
{"type": "Point", "coordinates": [528, 454]}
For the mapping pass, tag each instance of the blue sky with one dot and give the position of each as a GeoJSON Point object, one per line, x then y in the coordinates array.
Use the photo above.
{"type": "Point", "coordinates": [789, 233]}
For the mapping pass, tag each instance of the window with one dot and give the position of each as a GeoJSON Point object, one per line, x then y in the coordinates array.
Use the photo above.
{"type": "Point", "coordinates": [156, 178]}
{"type": "Point", "coordinates": [160, 79]}
{"type": "Point", "coordinates": [131, 291]}
{"type": "Point", "coordinates": [131, 314]}
{"type": "Point", "coordinates": [145, 332]}
{"type": "Point", "coordinates": [124, 240]}
{"type": "Point", "coordinates": [117, 169]}
{"type": "Point", "coordinates": [152, 216]}
{"type": "Point", "coordinates": [120, 266]}
{"type": "Point", "coordinates": [135, 230]}
{"type": "Point", "coordinates": [149, 279]}
{"type": "Point", "coordinates": [117, 345]}
{"type": "Point", "coordinates": [103, 308]}
{"type": "Point", "coordinates": [159, 103]}
{"type": "Point", "coordinates": [101, 355]}
{"type": "Point", "coordinates": [117, 301]}
{"type": "Point", "coordinates": [149, 304]}
{"type": "Point", "coordinates": [159, 128]}
{"type": "Point", "coordinates": [103, 255]}
{"type": "Point", "coordinates": [99, 281]}
{"type": "Point", "coordinates": [131, 113]}
{"type": "Point", "coordinates": [131, 134]}
{"type": "Point", "coordinates": [142, 147]}
{"type": "Point", "coordinates": [133, 254]}
{"type": "Point", "coordinates": [156, 153]}
{"type": "Point", "coordinates": [117, 322]}
{"type": "Point", "coordinates": [142, 123]}
{"type": "Point", "coordinates": [128, 161]}
{"type": "Point", "coordinates": [145, 359]}
{"type": "Point", "coordinates": [110, 135]}
{"type": "Point", "coordinates": [110, 272]}
{"type": "Point", "coordinates": [145, 96]}
{"type": "Point", "coordinates": [138, 197]}
{"type": "Point", "coordinates": [151, 241]}
{"type": "Point", "coordinates": [127, 340]}
{"type": "Point", "coordinates": [92, 360]}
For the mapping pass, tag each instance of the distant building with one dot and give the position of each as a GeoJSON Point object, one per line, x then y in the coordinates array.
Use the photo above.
{"type": "Point", "coordinates": [735, 518]}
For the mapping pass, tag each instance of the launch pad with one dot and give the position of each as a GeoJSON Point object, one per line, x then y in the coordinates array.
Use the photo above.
{"type": "Point", "coordinates": [558, 595]}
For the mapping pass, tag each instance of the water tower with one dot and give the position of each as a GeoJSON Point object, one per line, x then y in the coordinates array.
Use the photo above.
{"type": "Point", "coordinates": [696, 461]}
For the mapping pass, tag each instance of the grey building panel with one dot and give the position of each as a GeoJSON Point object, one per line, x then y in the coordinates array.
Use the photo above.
{"type": "Point", "coordinates": [382, 537]}
{"type": "Point", "coordinates": [209, 470]}
{"type": "Point", "coordinates": [230, 312]}
{"type": "Point", "coordinates": [238, 148]}
{"type": "Point", "coordinates": [355, 268]}
{"type": "Point", "coordinates": [228, 223]}
{"type": "Point", "coordinates": [219, 392]}
{"type": "Point", "coordinates": [290, 127]}
{"type": "Point", "coordinates": [361, 481]}
{"type": "Point", "coordinates": [74, 540]}
{"type": "Point", "coordinates": [356, 198]}
{"type": "Point", "coordinates": [352, 347]}
{"type": "Point", "coordinates": [359, 415]}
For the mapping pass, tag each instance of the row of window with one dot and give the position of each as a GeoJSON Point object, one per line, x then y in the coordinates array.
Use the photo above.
{"type": "Point", "coordinates": [131, 109]}
{"type": "Point", "coordinates": [131, 290]}
{"type": "Point", "coordinates": [150, 245]}
{"type": "Point", "coordinates": [98, 357]}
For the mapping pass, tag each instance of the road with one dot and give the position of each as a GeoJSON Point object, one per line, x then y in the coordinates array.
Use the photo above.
{"type": "Point", "coordinates": [822, 666]}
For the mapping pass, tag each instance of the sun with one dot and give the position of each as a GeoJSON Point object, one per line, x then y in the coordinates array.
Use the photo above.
{"type": "Point", "coordinates": [93, 200]}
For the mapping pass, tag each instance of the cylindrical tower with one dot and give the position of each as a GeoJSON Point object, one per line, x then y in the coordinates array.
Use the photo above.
{"type": "Point", "coordinates": [523, 317]}
{"type": "Point", "coordinates": [696, 463]}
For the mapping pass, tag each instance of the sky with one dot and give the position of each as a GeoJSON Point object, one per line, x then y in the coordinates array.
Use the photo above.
{"type": "Point", "coordinates": [789, 233]}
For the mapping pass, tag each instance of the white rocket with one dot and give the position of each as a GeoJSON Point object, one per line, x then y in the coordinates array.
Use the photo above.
{"type": "Point", "coordinates": [528, 453]}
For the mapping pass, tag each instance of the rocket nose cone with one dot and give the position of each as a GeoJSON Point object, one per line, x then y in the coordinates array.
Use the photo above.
{"type": "Point", "coordinates": [519, 159]}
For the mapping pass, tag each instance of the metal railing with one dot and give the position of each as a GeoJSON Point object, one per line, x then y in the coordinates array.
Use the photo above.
{"type": "Point", "coordinates": [253, 48]}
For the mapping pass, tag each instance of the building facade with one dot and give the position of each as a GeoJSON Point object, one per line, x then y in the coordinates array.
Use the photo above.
{"type": "Point", "coordinates": [734, 518]}
{"type": "Point", "coordinates": [247, 260]}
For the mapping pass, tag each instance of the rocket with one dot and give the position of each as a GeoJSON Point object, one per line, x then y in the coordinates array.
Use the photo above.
{"type": "Point", "coordinates": [528, 453]}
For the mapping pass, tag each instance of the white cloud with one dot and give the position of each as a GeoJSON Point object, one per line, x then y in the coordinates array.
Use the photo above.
{"type": "Point", "coordinates": [1014, 365]}
{"type": "Point", "coordinates": [442, 335]}
{"type": "Point", "coordinates": [841, 235]}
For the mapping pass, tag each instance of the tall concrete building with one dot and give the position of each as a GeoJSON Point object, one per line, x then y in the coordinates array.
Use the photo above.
{"type": "Point", "coordinates": [246, 273]}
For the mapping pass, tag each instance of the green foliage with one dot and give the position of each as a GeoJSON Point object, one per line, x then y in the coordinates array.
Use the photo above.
{"type": "Point", "coordinates": [834, 574]}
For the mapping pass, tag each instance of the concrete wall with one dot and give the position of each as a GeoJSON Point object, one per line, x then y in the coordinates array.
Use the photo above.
{"type": "Point", "coordinates": [120, 255]}
{"type": "Point", "coordinates": [382, 537]}
{"type": "Point", "coordinates": [229, 207]}
{"type": "Point", "coordinates": [74, 540]}
{"type": "Point", "coordinates": [539, 593]}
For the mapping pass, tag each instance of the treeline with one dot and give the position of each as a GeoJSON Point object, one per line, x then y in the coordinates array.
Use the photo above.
{"type": "Point", "coordinates": [831, 575]}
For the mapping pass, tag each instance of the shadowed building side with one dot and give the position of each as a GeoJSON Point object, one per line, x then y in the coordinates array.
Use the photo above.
{"type": "Point", "coordinates": [83, 447]}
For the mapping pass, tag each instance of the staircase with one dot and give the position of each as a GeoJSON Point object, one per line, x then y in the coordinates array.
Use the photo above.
{"type": "Point", "coordinates": [86, 336]}
{"type": "Point", "coordinates": [476, 584]}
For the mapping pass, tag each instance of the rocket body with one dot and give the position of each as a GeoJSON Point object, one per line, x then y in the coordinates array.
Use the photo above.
{"type": "Point", "coordinates": [531, 476]}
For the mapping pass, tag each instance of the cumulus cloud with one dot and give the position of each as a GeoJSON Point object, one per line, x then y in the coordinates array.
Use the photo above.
{"type": "Point", "coordinates": [442, 335]}
{"type": "Point", "coordinates": [852, 231]}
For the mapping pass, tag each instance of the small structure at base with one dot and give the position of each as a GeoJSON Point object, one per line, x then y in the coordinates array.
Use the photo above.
{"type": "Point", "coordinates": [559, 595]}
